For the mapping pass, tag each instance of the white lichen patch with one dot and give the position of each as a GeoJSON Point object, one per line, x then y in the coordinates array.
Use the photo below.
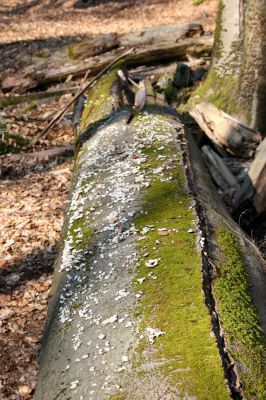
{"type": "Point", "coordinates": [154, 334]}
{"type": "Point", "coordinates": [152, 262]}
{"type": "Point", "coordinates": [99, 257]}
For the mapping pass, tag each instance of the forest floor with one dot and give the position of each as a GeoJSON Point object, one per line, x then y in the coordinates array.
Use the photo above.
{"type": "Point", "coordinates": [33, 194]}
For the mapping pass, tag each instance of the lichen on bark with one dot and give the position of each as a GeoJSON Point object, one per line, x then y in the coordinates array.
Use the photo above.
{"type": "Point", "coordinates": [236, 82]}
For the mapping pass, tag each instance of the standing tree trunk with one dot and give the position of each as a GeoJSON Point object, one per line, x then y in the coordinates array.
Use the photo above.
{"type": "Point", "coordinates": [237, 80]}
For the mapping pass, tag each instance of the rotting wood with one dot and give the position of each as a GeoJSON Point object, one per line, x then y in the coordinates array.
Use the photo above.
{"type": "Point", "coordinates": [232, 269]}
{"type": "Point", "coordinates": [219, 171]}
{"type": "Point", "coordinates": [226, 132]}
{"type": "Point", "coordinates": [154, 45]}
{"type": "Point", "coordinates": [92, 47]}
{"type": "Point", "coordinates": [146, 55]}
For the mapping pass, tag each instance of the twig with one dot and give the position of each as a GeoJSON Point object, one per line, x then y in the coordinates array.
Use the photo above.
{"type": "Point", "coordinates": [62, 112]}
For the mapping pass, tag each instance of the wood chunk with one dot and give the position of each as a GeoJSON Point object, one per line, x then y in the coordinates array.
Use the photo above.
{"type": "Point", "coordinates": [226, 132]}
{"type": "Point", "coordinates": [219, 171]}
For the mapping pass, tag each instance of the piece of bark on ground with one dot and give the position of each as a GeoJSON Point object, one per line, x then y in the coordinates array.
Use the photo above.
{"type": "Point", "coordinates": [226, 132]}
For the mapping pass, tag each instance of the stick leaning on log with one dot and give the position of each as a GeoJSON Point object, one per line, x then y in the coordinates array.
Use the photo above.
{"type": "Point", "coordinates": [69, 104]}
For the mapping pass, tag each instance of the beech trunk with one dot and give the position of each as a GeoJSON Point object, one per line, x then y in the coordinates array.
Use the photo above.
{"type": "Point", "coordinates": [237, 79]}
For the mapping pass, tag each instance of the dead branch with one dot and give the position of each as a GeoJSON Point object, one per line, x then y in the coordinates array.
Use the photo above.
{"type": "Point", "coordinates": [69, 104]}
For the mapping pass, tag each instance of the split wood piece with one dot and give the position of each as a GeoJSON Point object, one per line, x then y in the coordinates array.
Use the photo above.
{"type": "Point", "coordinates": [153, 72]}
{"type": "Point", "coordinates": [238, 167]}
{"type": "Point", "coordinates": [78, 108]}
{"type": "Point", "coordinates": [219, 171]}
{"type": "Point", "coordinates": [122, 75]}
{"type": "Point", "coordinates": [253, 193]}
{"type": "Point", "coordinates": [226, 132]}
{"type": "Point", "coordinates": [154, 45]}
{"type": "Point", "coordinates": [83, 90]}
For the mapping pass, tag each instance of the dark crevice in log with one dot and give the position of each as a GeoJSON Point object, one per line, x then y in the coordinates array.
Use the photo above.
{"type": "Point", "coordinates": [228, 362]}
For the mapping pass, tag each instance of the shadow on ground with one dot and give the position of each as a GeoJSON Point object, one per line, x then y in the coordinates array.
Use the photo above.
{"type": "Point", "coordinates": [30, 267]}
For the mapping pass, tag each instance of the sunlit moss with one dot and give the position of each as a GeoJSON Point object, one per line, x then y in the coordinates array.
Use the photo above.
{"type": "Point", "coordinates": [174, 302]}
{"type": "Point", "coordinates": [239, 316]}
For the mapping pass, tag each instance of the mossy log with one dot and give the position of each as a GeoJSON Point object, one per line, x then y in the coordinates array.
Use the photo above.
{"type": "Point", "coordinates": [154, 45]}
{"type": "Point", "coordinates": [128, 318]}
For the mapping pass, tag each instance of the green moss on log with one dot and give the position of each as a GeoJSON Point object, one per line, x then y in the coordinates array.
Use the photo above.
{"type": "Point", "coordinates": [100, 100]}
{"type": "Point", "coordinates": [239, 316]}
{"type": "Point", "coordinates": [71, 52]}
{"type": "Point", "coordinates": [174, 302]}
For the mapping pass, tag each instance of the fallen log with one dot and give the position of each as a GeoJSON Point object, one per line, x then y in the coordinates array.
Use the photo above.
{"type": "Point", "coordinates": [154, 45]}
{"type": "Point", "coordinates": [226, 132]}
{"type": "Point", "coordinates": [144, 55]}
{"type": "Point", "coordinates": [92, 47]}
{"type": "Point", "coordinates": [128, 306]}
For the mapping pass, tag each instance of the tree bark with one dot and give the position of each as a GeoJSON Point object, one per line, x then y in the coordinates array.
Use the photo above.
{"type": "Point", "coordinates": [237, 80]}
